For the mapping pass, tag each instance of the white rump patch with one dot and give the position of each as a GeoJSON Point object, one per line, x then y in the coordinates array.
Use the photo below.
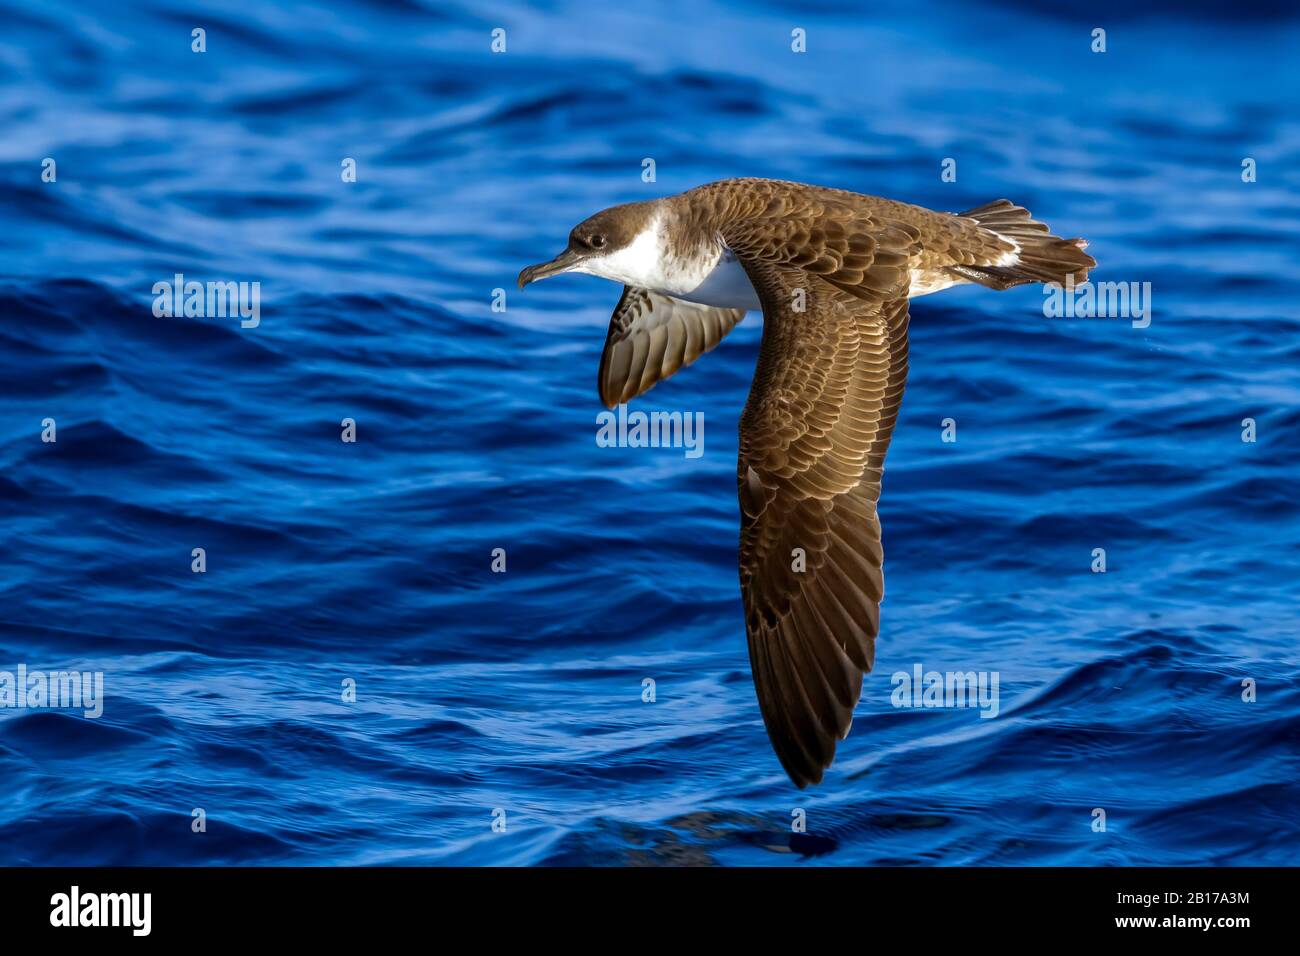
{"type": "Point", "coordinates": [925, 281]}
{"type": "Point", "coordinates": [1012, 257]}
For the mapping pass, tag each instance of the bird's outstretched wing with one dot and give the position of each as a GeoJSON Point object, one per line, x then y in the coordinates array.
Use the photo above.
{"type": "Point", "coordinates": [651, 336]}
{"type": "Point", "coordinates": [813, 438]}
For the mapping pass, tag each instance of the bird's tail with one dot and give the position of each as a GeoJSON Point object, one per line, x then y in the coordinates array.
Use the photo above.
{"type": "Point", "coordinates": [1042, 257]}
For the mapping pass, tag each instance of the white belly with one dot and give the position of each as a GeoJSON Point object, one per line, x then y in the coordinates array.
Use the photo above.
{"type": "Point", "coordinates": [725, 286]}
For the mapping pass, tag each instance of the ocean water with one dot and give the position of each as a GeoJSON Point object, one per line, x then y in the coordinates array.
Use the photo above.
{"type": "Point", "coordinates": [517, 696]}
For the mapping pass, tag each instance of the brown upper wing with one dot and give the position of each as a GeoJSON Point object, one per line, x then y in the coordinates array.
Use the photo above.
{"type": "Point", "coordinates": [651, 336]}
{"type": "Point", "coordinates": [813, 439]}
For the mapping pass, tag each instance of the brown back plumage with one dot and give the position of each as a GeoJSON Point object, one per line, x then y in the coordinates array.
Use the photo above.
{"type": "Point", "coordinates": [813, 438]}
{"type": "Point", "coordinates": [833, 271]}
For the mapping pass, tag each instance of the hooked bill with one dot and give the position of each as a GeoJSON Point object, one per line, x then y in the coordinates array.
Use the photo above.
{"type": "Point", "coordinates": [832, 272]}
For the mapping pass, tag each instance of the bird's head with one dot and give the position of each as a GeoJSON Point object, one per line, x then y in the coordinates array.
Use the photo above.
{"type": "Point", "coordinates": [619, 243]}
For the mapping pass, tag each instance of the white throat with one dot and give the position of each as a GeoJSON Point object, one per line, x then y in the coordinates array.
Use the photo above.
{"type": "Point", "coordinates": [640, 263]}
{"type": "Point", "coordinates": [712, 278]}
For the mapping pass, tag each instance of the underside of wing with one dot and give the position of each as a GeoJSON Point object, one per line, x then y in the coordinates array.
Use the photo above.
{"type": "Point", "coordinates": [813, 440]}
{"type": "Point", "coordinates": [651, 336]}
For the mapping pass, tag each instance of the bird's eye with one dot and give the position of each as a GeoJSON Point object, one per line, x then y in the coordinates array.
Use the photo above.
{"type": "Point", "coordinates": [596, 242]}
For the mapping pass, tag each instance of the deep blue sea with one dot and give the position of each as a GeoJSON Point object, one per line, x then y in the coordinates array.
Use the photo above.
{"type": "Point", "coordinates": [368, 565]}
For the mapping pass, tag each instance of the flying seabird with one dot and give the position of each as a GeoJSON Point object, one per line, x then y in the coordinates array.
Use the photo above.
{"type": "Point", "coordinates": [832, 272]}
